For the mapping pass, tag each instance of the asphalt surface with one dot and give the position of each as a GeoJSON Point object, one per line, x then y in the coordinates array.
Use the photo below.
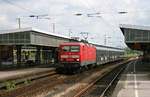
{"type": "Point", "coordinates": [13, 73]}
{"type": "Point", "coordinates": [135, 81]}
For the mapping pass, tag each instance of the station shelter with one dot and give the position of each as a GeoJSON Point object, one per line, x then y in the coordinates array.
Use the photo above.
{"type": "Point", "coordinates": [29, 46]}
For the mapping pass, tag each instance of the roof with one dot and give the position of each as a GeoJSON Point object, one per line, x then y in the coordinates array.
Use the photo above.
{"type": "Point", "coordinates": [138, 27]}
{"type": "Point", "coordinates": [99, 47]}
{"type": "Point", "coordinates": [31, 29]}
{"type": "Point", "coordinates": [109, 49]}
{"type": "Point", "coordinates": [71, 44]}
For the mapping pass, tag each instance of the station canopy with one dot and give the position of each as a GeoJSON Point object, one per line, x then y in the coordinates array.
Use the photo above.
{"type": "Point", "coordinates": [136, 37]}
{"type": "Point", "coordinates": [36, 37]}
{"type": "Point", "coordinates": [31, 36]}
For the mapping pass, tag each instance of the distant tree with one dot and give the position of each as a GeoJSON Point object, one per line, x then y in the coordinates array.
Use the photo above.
{"type": "Point", "coordinates": [131, 52]}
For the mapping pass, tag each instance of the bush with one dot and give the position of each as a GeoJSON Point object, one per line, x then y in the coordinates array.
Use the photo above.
{"type": "Point", "coordinates": [8, 85]}
{"type": "Point", "coordinates": [13, 84]}
{"type": "Point", "coordinates": [56, 87]}
{"type": "Point", "coordinates": [27, 81]}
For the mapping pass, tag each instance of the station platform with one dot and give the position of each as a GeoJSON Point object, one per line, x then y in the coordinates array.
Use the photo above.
{"type": "Point", "coordinates": [18, 73]}
{"type": "Point", "coordinates": [135, 81]}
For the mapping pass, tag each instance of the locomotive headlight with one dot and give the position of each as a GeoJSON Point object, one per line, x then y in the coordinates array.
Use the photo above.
{"type": "Point", "coordinates": [64, 56]}
{"type": "Point", "coordinates": [75, 56]}
{"type": "Point", "coordinates": [78, 59]}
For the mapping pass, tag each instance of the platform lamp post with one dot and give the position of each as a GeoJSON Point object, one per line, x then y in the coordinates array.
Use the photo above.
{"type": "Point", "coordinates": [53, 24]}
{"type": "Point", "coordinates": [106, 39]}
{"type": "Point", "coordinates": [70, 32]}
{"type": "Point", "coordinates": [98, 16]}
{"type": "Point", "coordinates": [98, 13]}
{"type": "Point", "coordinates": [19, 22]}
{"type": "Point", "coordinates": [43, 17]}
{"type": "Point", "coordinates": [53, 27]}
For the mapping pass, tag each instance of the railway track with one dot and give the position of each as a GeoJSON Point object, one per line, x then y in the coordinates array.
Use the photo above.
{"type": "Point", "coordinates": [42, 83]}
{"type": "Point", "coordinates": [101, 85]}
{"type": "Point", "coordinates": [21, 86]}
{"type": "Point", "coordinates": [20, 79]}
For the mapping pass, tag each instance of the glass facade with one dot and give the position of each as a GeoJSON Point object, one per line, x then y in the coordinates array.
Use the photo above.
{"type": "Point", "coordinates": [46, 40]}
{"type": "Point", "coordinates": [29, 41]}
{"type": "Point", "coordinates": [31, 38]}
{"type": "Point", "coordinates": [15, 38]}
{"type": "Point", "coordinates": [132, 35]}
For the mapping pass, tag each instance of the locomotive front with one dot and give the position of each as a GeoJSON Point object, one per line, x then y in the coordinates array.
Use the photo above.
{"type": "Point", "coordinates": [70, 56]}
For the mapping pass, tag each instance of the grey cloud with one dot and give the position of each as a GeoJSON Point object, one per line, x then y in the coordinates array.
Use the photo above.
{"type": "Point", "coordinates": [61, 12]}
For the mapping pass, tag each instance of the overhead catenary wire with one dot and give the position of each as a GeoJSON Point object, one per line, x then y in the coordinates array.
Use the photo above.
{"type": "Point", "coordinates": [15, 4]}
{"type": "Point", "coordinates": [99, 14]}
{"type": "Point", "coordinates": [20, 7]}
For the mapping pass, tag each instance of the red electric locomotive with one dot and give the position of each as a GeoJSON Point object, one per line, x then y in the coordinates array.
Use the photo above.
{"type": "Point", "coordinates": [74, 56]}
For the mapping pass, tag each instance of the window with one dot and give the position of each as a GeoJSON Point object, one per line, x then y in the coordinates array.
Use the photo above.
{"type": "Point", "coordinates": [74, 48]}
{"type": "Point", "coordinates": [68, 48]}
{"type": "Point", "coordinates": [65, 48]}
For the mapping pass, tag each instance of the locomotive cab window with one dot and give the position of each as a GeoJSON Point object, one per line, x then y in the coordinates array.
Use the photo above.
{"type": "Point", "coordinates": [65, 48]}
{"type": "Point", "coordinates": [73, 48]}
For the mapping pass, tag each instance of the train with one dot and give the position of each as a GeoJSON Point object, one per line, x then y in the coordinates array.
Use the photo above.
{"type": "Point", "coordinates": [73, 57]}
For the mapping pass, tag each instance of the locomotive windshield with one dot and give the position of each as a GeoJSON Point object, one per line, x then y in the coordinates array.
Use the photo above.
{"type": "Point", "coordinates": [70, 48]}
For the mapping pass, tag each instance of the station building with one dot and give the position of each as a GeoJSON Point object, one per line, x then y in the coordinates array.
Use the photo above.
{"type": "Point", "coordinates": [32, 46]}
{"type": "Point", "coordinates": [137, 37]}
{"type": "Point", "coordinates": [29, 45]}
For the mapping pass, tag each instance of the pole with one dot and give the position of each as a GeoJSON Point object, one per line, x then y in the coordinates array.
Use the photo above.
{"type": "Point", "coordinates": [105, 39]}
{"type": "Point", "coordinates": [70, 32]}
{"type": "Point", "coordinates": [19, 22]}
{"type": "Point", "coordinates": [53, 27]}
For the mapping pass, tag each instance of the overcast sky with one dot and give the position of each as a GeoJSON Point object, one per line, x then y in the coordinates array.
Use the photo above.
{"type": "Point", "coordinates": [62, 13]}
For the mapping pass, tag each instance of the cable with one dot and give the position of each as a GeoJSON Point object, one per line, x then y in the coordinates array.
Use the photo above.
{"type": "Point", "coordinates": [16, 5]}
{"type": "Point", "coordinates": [93, 8]}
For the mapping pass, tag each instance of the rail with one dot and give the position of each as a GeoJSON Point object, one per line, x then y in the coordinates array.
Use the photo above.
{"type": "Point", "coordinates": [83, 91]}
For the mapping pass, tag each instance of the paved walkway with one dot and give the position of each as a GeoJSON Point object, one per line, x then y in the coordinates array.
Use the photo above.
{"type": "Point", "coordinates": [135, 81]}
{"type": "Point", "coordinates": [21, 72]}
